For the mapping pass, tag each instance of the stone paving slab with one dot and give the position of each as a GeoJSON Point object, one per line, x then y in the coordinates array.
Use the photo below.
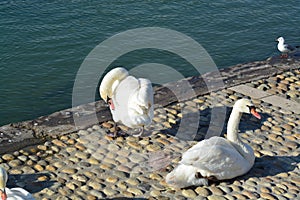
{"type": "Point", "coordinates": [250, 91]}
{"type": "Point", "coordinates": [267, 97]}
{"type": "Point", "coordinates": [283, 103]}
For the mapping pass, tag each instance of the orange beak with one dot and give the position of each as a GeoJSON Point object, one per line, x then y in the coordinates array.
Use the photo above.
{"type": "Point", "coordinates": [254, 113]}
{"type": "Point", "coordinates": [3, 195]}
{"type": "Point", "coordinates": [111, 104]}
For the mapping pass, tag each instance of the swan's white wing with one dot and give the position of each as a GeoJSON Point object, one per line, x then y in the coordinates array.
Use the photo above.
{"type": "Point", "coordinates": [121, 97]}
{"type": "Point", "coordinates": [18, 194]}
{"type": "Point", "coordinates": [133, 100]}
{"type": "Point", "coordinates": [216, 157]}
{"type": "Point", "coordinates": [142, 101]}
{"type": "Point", "coordinates": [145, 93]}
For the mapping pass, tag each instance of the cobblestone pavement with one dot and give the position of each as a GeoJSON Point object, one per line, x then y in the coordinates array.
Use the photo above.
{"type": "Point", "coordinates": [89, 165]}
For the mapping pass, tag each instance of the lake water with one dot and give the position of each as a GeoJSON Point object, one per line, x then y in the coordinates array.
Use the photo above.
{"type": "Point", "coordinates": [43, 43]}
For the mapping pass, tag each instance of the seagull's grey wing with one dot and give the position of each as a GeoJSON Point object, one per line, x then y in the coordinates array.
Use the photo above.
{"type": "Point", "coordinates": [289, 47]}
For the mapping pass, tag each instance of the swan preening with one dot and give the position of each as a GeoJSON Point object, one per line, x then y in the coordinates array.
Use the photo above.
{"type": "Point", "coordinates": [216, 158]}
{"type": "Point", "coordinates": [285, 49]}
{"type": "Point", "coordinates": [130, 99]}
{"type": "Point", "coordinates": [14, 193]}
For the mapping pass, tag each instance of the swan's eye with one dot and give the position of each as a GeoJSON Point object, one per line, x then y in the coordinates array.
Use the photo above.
{"type": "Point", "coordinates": [108, 100]}
{"type": "Point", "coordinates": [250, 107]}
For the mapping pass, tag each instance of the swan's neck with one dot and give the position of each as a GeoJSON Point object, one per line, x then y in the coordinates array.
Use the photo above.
{"type": "Point", "coordinates": [232, 135]}
{"type": "Point", "coordinates": [233, 126]}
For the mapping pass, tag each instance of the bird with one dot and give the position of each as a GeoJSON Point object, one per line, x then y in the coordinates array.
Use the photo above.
{"type": "Point", "coordinates": [13, 193]}
{"type": "Point", "coordinates": [130, 99]}
{"type": "Point", "coordinates": [216, 158]}
{"type": "Point", "coordinates": [285, 49]}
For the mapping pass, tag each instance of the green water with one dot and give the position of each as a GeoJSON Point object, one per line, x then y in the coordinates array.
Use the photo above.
{"type": "Point", "coordinates": [43, 43]}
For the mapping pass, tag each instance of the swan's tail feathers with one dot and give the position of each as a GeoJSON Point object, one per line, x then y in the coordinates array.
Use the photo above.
{"type": "Point", "coordinates": [184, 176]}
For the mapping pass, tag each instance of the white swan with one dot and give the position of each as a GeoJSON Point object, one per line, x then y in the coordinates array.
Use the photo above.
{"type": "Point", "coordinates": [216, 158]}
{"type": "Point", "coordinates": [285, 48]}
{"type": "Point", "coordinates": [130, 99]}
{"type": "Point", "coordinates": [14, 193]}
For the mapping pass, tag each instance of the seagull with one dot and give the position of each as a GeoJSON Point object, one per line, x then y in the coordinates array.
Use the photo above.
{"type": "Point", "coordinates": [130, 99]}
{"type": "Point", "coordinates": [285, 49]}
{"type": "Point", "coordinates": [13, 193]}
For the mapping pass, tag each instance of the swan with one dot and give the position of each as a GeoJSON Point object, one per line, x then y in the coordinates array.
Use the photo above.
{"type": "Point", "coordinates": [14, 193]}
{"type": "Point", "coordinates": [285, 48]}
{"type": "Point", "coordinates": [216, 158]}
{"type": "Point", "coordinates": [130, 99]}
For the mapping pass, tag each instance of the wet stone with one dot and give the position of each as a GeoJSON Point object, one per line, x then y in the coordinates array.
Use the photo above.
{"type": "Point", "coordinates": [55, 148]}
{"type": "Point", "coordinates": [64, 191]}
{"type": "Point", "coordinates": [267, 196]}
{"type": "Point", "coordinates": [135, 191]}
{"type": "Point", "coordinates": [216, 197]}
{"type": "Point", "coordinates": [111, 179]}
{"type": "Point", "coordinates": [71, 141]}
{"type": "Point", "coordinates": [38, 167]}
{"type": "Point", "coordinates": [134, 144]}
{"type": "Point", "coordinates": [225, 188]}
{"type": "Point", "coordinates": [109, 192]}
{"type": "Point", "coordinates": [240, 196]}
{"type": "Point", "coordinates": [43, 178]}
{"type": "Point", "coordinates": [80, 147]}
{"type": "Point", "coordinates": [236, 188]}
{"type": "Point", "coordinates": [82, 155]}
{"type": "Point", "coordinates": [127, 194]}
{"type": "Point", "coordinates": [15, 163]}
{"type": "Point", "coordinates": [132, 181]}
{"type": "Point", "coordinates": [292, 145]}
{"type": "Point", "coordinates": [28, 170]}
{"type": "Point", "coordinates": [59, 143]}
{"type": "Point", "coordinates": [155, 193]}
{"type": "Point", "coordinates": [70, 186]}
{"type": "Point", "coordinates": [42, 147]}
{"type": "Point", "coordinates": [8, 157]}
{"type": "Point", "coordinates": [153, 147]}
{"type": "Point", "coordinates": [122, 185]}
{"type": "Point", "coordinates": [97, 194]}
{"type": "Point", "coordinates": [95, 185]}
{"type": "Point", "coordinates": [50, 168]}
{"type": "Point", "coordinates": [216, 190]}
{"type": "Point", "coordinates": [189, 194]}
{"type": "Point", "coordinates": [202, 191]}
{"type": "Point", "coordinates": [69, 170]}
{"type": "Point", "coordinates": [106, 166]}
{"type": "Point", "coordinates": [250, 195]}
{"type": "Point", "coordinates": [33, 157]}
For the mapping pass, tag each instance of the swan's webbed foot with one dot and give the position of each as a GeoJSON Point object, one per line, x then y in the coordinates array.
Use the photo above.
{"type": "Point", "coordinates": [210, 179]}
{"type": "Point", "coordinates": [142, 133]}
{"type": "Point", "coordinates": [284, 56]}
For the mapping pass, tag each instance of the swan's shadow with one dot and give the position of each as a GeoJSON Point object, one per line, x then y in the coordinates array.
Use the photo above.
{"type": "Point", "coordinates": [31, 182]}
{"type": "Point", "coordinates": [271, 166]}
{"type": "Point", "coordinates": [213, 126]}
